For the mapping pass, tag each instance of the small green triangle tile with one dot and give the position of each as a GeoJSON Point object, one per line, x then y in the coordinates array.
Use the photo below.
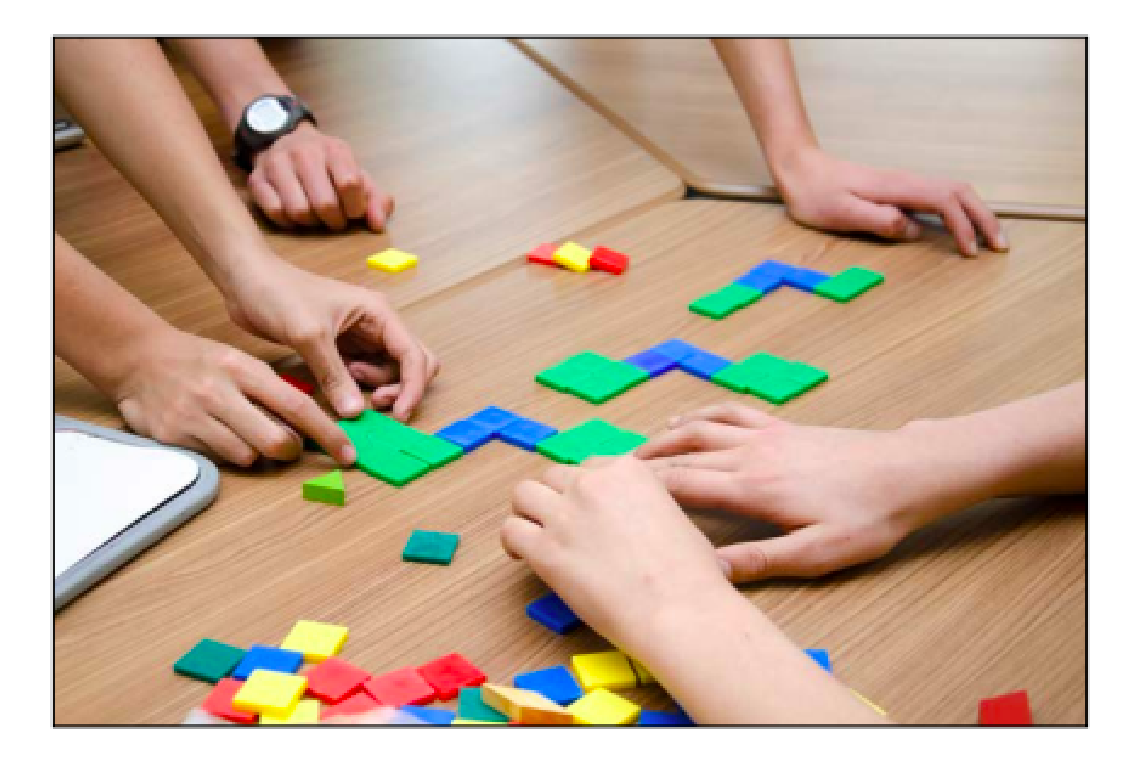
{"type": "Point", "coordinates": [327, 488]}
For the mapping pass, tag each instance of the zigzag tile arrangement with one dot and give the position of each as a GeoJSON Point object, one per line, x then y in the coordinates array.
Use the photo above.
{"type": "Point", "coordinates": [398, 454]}
{"type": "Point", "coordinates": [596, 378]}
{"type": "Point", "coordinates": [770, 275]}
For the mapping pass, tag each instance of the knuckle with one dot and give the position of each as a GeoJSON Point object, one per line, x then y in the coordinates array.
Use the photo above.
{"type": "Point", "coordinates": [280, 444]}
{"type": "Point", "coordinates": [307, 332]}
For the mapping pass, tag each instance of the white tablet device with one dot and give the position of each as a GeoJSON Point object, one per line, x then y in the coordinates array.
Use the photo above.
{"type": "Point", "coordinates": [114, 495]}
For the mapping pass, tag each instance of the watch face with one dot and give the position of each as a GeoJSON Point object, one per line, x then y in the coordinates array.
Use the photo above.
{"type": "Point", "coordinates": [267, 115]}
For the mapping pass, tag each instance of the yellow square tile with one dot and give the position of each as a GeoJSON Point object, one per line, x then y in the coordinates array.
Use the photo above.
{"type": "Point", "coordinates": [604, 670]}
{"type": "Point", "coordinates": [604, 708]}
{"type": "Point", "coordinates": [392, 260]}
{"type": "Point", "coordinates": [526, 707]}
{"type": "Point", "coordinates": [305, 713]}
{"type": "Point", "coordinates": [315, 641]}
{"type": "Point", "coordinates": [572, 256]}
{"type": "Point", "coordinates": [273, 693]}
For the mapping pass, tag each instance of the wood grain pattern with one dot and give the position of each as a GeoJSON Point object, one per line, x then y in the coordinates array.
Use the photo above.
{"type": "Point", "coordinates": [486, 156]}
{"type": "Point", "coordinates": [1008, 116]}
{"type": "Point", "coordinates": [988, 601]}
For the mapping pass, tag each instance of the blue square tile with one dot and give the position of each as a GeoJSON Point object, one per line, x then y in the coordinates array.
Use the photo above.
{"type": "Point", "coordinates": [676, 350]}
{"type": "Point", "coordinates": [555, 683]}
{"type": "Point", "coordinates": [494, 418]}
{"type": "Point", "coordinates": [526, 433]}
{"type": "Point", "coordinates": [657, 718]}
{"type": "Point", "coordinates": [432, 715]}
{"type": "Point", "coordinates": [554, 614]}
{"type": "Point", "coordinates": [704, 364]}
{"type": "Point", "coordinates": [821, 657]}
{"type": "Point", "coordinates": [773, 266]}
{"type": "Point", "coordinates": [764, 280]}
{"type": "Point", "coordinates": [466, 434]}
{"type": "Point", "coordinates": [804, 279]}
{"type": "Point", "coordinates": [267, 657]}
{"type": "Point", "coordinates": [652, 361]}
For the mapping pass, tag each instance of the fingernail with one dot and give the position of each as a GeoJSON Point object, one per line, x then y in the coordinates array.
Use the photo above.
{"type": "Point", "coordinates": [349, 454]}
{"type": "Point", "coordinates": [725, 567]}
{"type": "Point", "coordinates": [912, 231]}
{"type": "Point", "coordinates": [350, 406]}
{"type": "Point", "coordinates": [673, 421]}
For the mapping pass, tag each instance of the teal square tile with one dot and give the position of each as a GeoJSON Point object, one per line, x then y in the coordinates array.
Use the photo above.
{"type": "Point", "coordinates": [427, 547]}
{"type": "Point", "coordinates": [209, 661]}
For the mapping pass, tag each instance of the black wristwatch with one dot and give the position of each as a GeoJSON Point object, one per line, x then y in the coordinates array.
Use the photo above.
{"type": "Point", "coordinates": [265, 120]}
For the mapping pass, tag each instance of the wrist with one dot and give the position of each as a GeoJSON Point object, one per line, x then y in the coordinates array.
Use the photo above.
{"type": "Point", "coordinates": [938, 470]}
{"type": "Point", "coordinates": [791, 157]}
{"type": "Point", "coordinates": [120, 362]}
{"type": "Point", "coordinates": [238, 263]}
{"type": "Point", "coordinates": [702, 619]}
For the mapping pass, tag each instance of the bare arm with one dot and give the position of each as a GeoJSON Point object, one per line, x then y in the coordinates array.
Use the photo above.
{"type": "Point", "coordinates": [234, 71]}
{"type": "Point", "coordinates": [829, 193]}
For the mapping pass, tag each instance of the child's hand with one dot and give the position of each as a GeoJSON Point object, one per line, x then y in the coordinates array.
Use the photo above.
{"type": "Point", "coordinates": [345, 333]}
{"type": "Point", "coordinates": [824, 192]}
{"type": "Point", "coordinates": [610, 541]}
{"type": "Point", "coordinates": [196, 393]}
{"type": "Point", "coordinates": [308, 177]}
{"type": "Point", "coordinates": [836, 492]}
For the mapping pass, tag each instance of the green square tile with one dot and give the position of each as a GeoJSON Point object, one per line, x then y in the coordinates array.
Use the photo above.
{"type": "Point", "coordinates": [430, 449]}
{"type": "Point", "coordinates": [604, 385]}
{"type": "Point", "coordinates": [428, 547]}
{"type": "Point", "coordinates": [848, 284]}
{"type": "Point", "coordinates": [735, 377]}
{"type": "Point", "coordinates": [392, 466]}
{"type": "Point", "coordinates": [560, 448]}
{"type": "Point", "coordinates": [620, 442]}
{"type": "Point", "coordinates": [762, 363]}
{"type": "Point", "coordinates": [776, 390]}
{"type": "Point", "coordinates": [803, 374]}
{"type": "Point", "coordinates": [471, 707]}
{"type": "Point", "coordinates": [209, 661]}
{"type": "Point", "coordinates": [725, 301]}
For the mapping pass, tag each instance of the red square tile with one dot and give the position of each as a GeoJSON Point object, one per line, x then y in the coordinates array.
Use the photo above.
{"type": "Point", "coordinates": [604, 259]}
{"type": "Point", "coordinates": [355, 704]}
{"type": "Point", "coordinates": [218, 702]}
{"type": "Point", "coordinates": [1010, 709]}
{"type": "Point", "coordinates": [542, 254]}
{"type": "Point", "coordinates": [334, 679]}
{"type": "Point", "coordinates": [399, 688]}
{"type": "Point", "coordinates": [450, 673]}
{"type": "Point", "coordinates": [298, 384]}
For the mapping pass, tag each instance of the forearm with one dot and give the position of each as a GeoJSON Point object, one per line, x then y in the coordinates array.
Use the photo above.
{"type": "Point", "coordinates": [127, 98]}
{"type": "Point", "coordinates": [233, 71]}
{"type": "Point", "coordinates": [726, 663]}
{"type": "Point", "coordinates": [98, 324]}
{"type": "Point", "coordinates": [1033, 446]}
{"type": "Point", "coordinates": [765, 78]}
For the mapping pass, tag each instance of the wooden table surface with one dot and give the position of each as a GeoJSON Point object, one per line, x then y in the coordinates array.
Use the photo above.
{"type": "Point", "coordinates": [988, 601]}
{"type": "Point", "coordinates": [1006, 115]}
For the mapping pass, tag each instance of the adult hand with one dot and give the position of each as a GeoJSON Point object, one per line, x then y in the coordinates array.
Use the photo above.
{"type": "Point", "coordinates": [345, 333]}
{"type": "Point", "coordinates": [193, 392]}
{"type": "Point", "coordinates": [610, 541]}
{"type": "Point", "coordinates": [828, 193]}
{"type": "Point", "coordinates": [307, 177]}
{"type": "Point", "coordinates": [836, 493]}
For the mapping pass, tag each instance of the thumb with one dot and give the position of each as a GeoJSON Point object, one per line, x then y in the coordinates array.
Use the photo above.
{"type": "Point", "coordinates": [883, 220]}
{"type": "Point", "coordinates": [799, 554]}
{"type": "Point", "coordinates": [321, 355]}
